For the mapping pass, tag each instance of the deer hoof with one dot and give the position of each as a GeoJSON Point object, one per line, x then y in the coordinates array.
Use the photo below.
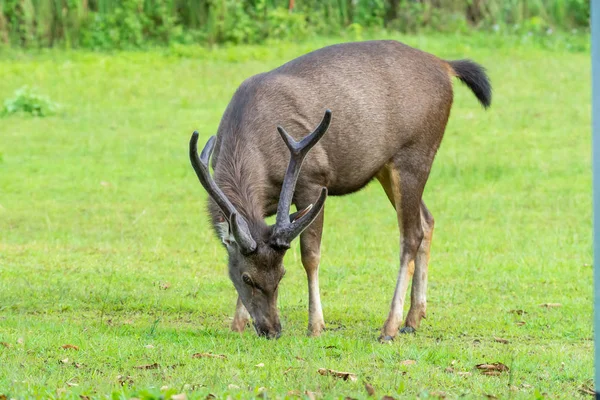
{"type": "Point", "coordinates": [315, 330]}
{"type": "Point", "coordinates": [386, 339]}
{"type": "Point", "coordinates": [408, 330]}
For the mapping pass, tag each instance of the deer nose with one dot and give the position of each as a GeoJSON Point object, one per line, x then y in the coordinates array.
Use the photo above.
{"type": "Point", "coordinates": [268, 332]}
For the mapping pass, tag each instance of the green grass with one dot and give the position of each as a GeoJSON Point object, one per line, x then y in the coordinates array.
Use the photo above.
{"type": "Point", "coordinates": [99, 209]}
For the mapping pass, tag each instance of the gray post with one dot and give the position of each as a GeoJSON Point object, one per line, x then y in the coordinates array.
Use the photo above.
{"type": "Point", "coordinates": [595, 22]}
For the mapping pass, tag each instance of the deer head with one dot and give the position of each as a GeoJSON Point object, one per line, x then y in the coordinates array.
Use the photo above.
{"type": "Point", "coordinates": [256, 259]}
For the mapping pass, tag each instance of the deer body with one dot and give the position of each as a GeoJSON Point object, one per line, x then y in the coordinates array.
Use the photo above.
{"type": "Point", "coordinates": [390, 103]}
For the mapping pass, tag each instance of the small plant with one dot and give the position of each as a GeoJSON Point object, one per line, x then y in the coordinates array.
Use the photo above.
{"type": "Point", "coordinates": [27, 100]}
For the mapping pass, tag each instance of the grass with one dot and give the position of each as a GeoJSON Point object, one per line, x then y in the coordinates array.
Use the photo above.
{"type": "Point", "coordinates": [104, 242]}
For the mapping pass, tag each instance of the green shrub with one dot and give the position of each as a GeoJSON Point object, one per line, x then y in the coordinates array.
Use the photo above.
{"type": "Point", "coordinates": [26, 100]}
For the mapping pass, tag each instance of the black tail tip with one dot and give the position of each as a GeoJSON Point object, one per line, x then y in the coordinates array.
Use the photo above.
{"type": "Point", "coordinates": [475, 77]}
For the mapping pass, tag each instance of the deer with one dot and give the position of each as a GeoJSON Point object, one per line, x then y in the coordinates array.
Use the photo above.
{"type": "Point", "coordinates": [391, 104]}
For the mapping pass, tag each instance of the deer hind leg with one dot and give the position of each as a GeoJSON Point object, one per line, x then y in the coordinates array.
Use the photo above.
{"type": "Point", "coordinates": [241, 317]}
{"type": "Point", "coordinates": [418, 294]}
{"type": "Point", "coordinates": [404, 184]}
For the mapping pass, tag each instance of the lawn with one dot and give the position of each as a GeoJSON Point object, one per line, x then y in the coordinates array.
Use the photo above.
{"type": "Point", "coordinates": [105, 243]}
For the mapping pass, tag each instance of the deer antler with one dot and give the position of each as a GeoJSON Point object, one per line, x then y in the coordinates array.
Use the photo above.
{"type": "Point", "coordinates": [239, 227]}
{"type": "Point", "coordinates": [286, 229]}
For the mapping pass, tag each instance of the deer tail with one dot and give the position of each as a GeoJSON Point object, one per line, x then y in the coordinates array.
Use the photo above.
{"type": "Point", "coordinates": [474, 76]}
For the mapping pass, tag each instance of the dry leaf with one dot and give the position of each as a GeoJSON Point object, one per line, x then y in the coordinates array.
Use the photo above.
{"type": "Point", "coordinates": [3, 397]}
{"type": "Point", "coordinates": [148, 366]}
{"type": "Point", "coordinates": [232, 386]}
{"type": "Point", "coordinates": [439, 395]}
{"type": "Point", "coordinates": [164, 388]}
{"type": "Point", "coordinates": [210, 396]}
{"type": "Point", "coordinates": [587, 390]}
{"type": "Point", "coordinates": [180, 396]}
{"type": "Point", "coordinates": [551, 305]}
{"type": "Point", "coordinates": [69, 346]}
{"type": "Point", "coordinates": [520, 323]}
{"type": "Point", "coordinates": [77, 365]}
{"type": "Point", "coordinates": [208, 355]}
{"type": "Point", "coordinates": [71, 384]}
{"type": "Point", "coordinates": [164, 285]}
{"type": "Point", "coordinates": [349, 398]}
{"type": "Point", "coordinates": [149, 346]}
{"type": "Point", "coordinates": [84, 397]}
{"type": "Point", "coordinates": [20, 340]}
{"type": "Point", "coordinates": [7, 345]}
{"type": "Point", "coordinates": [343, 375]}
{"type": "Point", "coordinates": [490, 396]}
{"type": "Point", "coordinates": [260, 365]}
{"type": "Point", "coordinates": [125, 380]}
{"type": "Point", "coordinates": [386, 397]}
{"type": "Point", "coordinates": [449, 370]}
{"type": "Point", "coordinates": [463, 373]}
{"type": "Point", "coordinates": [408, 362]}
{"type": "Point", "coordinates": [526, 386]}
{"type": "Point", "coordinates": [492, 373]}
{"type": "Point", "coordinates": [518, 312]}
{"type": "Point", "coordinates": [288, 370]}
{"type": "Point", "coordinates": [369, 388]}
{"type": "Point", "coordinates": [291, 393]}
{"type": "Point", "coordinates": [65, 361]}
{"type": "Point", "coordinates": [495, 367]}
{"type": "Point", "coordinates": [300, 358]}
{"type": "Point", "coordinates": [311, 395]}
{"type": "Point", "coordinates": [500, 340]}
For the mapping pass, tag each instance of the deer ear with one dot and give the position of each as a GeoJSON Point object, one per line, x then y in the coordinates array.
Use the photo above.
{"type": "Point", "coordinates": [225, 233]}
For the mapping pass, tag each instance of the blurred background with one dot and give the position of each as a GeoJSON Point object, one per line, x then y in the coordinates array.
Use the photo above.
{"type": "Point", "coordinates": [107, 24]}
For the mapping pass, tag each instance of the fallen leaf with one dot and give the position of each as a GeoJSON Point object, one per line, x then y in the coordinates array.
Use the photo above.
{"type": "Point", "coordinates": [587, 390]}
{"type": "Point", "coordinates": [518, 312]}
{"type": "Point", "coordinates": [408, 362]}
{"type": "Point", "coordinates": [72, 384]}
{"type": "Point", "coordinates": [476, 342]}
{"type": "Point", "coordinates": [164, 388]}
{"type": "Point", "coordinates": [149, 346]}
{"type": "Point", "coordinates": [500, 340]}
{"type": "Point", "coordinates": [65, 361]}
{"type": "Point", "coordinates": [449, 370]}
{"type": "Point", "coordinates": [20, 340]}
{"type": "Point", "coordinates": [386, 397]}
{"type": "Point", "coordinates": [495, 367]}
{"type": "Point", "coordinates": [526, 386]}
{"type": "Point", "coordinates": [208, 355]}
{"type": "Point", "coordinates": [148, 366]}
{"type": "Point", "coordinates": [232, 386]}
{"type": "Point", "coordinates": [210, 396]}
{"type": "Point", "coordinates": [164, 285]}
{"type": "Point", "coordinates": [551, 305]}
{"type": "Point", "coordinates": [369, 388]}
{"type": "Point", "coordinates": [69, 346]}
{"type": "Point", "coordinates": [439, 395]}
{"type": "Point", "coordinates": [180, 396]}
{"type": "Point", "coordinates": [125, 380]}
{"type": "Point", "coordinates": [491, 396]}
{"type": "Point", "coordinates": [463, 373]}
{"type": "Point", "coordinates": [84, 397]}
{"type": "Point", "coordinates": [349, 398]}
{"type": "Point", "coordinates": [288, 370]}
{"type": "Point", "coordinates": [260, 365]}
{"type": "Point", "coordinates": [492, 373]}
{"type": "Point", "coordinates": [7, 345]}
{"type": "Point", "coordinates": [343, 375]}
{"type": "Point", "coordinates": [294, 393]}
{"type": "Point", "coordinates": [3, 397]}
{"type": "Point", "coordinates": [311, 395]}
{"type": "Point", "coordinates": [520, 323]}
{"type": "Point", "coordinates": [300, 358]}
{"type": "Point", "coordinates": [77, 365]}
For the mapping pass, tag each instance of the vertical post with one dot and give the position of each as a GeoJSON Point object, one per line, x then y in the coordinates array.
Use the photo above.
{"type": "Point", "coordinates": [595, 25]}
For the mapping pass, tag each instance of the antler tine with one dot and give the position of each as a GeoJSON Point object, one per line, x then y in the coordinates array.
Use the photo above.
{"type": "Point", "coordinates": [239, 227]}
{"type": "Point", "coordinates": [298, 151]}
{"type": "Point", "coordinates": [200, 165]}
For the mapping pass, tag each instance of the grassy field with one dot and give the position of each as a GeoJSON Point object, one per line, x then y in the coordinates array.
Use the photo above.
{"type": "Point", "coordinates": [104, 242]}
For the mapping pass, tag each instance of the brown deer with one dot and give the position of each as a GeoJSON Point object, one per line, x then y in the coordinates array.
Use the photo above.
{"type": "Point", "coordinates": [391, 103]}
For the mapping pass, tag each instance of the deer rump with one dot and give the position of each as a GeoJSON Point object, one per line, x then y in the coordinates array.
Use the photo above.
{"type": "Point", "coordinates": [390, 105]}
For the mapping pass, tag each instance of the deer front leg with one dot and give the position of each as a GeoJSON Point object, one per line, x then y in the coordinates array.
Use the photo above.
{"type": "Point", "coordinates": [241, 317]}
{"type": "Point", "coordinates": [310, 246]}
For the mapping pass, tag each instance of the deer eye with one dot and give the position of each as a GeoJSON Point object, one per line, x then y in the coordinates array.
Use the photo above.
{"type": "Point", "coordinates": [247, 280]}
